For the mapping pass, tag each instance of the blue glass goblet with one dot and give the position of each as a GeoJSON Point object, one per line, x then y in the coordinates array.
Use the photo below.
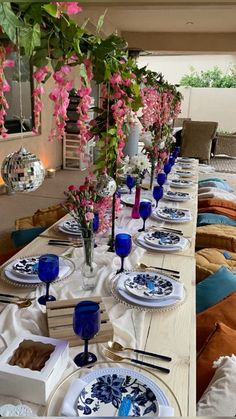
{"type": "Point", "coordinates": [158, 193]}
{"type": "Point", "coordinates": [130, 182]}
{"type": "Point", "coordinates": [123, 246]}
{"type": "Point", "coordinates": [167, 168]}
{"type": "Point", "coordinates": [95, 224]}
{"type": "Point", "coordinates": [171, 161]}
{"type": "Point", "coordinates": [145, 210]}
{"type": "Point", "coordinates": [48, 270]}
{"type": "Point", "coordinates": [86, 324]}
{"type": "Point", "coordinates": [161, 178]}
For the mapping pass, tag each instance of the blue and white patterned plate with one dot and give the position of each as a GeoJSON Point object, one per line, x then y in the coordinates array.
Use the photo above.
{"type": "Point", "coordinates": [120, 392]}
{"type": "Point", "coordinates": [171, 213]}
{"type": "Point", "coordinates": [180, 183]}
{"type": "Point", "coordinates": [70, 227]}
{"type": "Point", "coordinates": [149, 285]}
{"type": "Point", "coordinates": [184, 173]}
{"type": "Point", "coordinates": [162, 239]}
{"type": "Point", "coordinates": [177, 196]}
{"type": "Point", "coordinates": [27, 266]}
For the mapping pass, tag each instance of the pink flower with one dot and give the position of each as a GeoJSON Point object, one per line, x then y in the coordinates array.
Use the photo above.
{"type": "Point", "coordinates": [40, 74]}
{"type": "Point", "coordinates": [5, 86]}
{"type": "Point", "coordinates": [8, 63]}
{"type": "Point", "coordinates": [89, 216]}
{"type": "Point", "coordinates": [72, 8]}
{"type": "Point", "coordinates": [116, 79]}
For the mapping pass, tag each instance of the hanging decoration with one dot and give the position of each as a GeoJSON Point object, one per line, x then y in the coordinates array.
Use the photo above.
{"type": "Point", "coordinates": [4, 87]}
{"type": "Point", "coordinates": [22, 171]}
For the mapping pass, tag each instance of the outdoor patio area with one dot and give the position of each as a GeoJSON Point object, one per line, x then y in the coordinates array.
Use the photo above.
{"type": "Point", "coordinates": [118, 208]}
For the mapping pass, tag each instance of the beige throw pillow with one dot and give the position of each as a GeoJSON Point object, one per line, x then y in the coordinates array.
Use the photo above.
{"type": "Point", "coordinates": [219, 399]}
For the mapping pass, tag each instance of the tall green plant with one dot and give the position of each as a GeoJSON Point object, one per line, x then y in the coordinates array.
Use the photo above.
{"type": "Point", "coordinates": [210, 78]}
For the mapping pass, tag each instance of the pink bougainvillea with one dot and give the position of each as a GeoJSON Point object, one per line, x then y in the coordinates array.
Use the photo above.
{"type": "Point", "coordinates": [4, 87]}
{"type": "Point", "coordinates": [60, 96]}
{"type": "Point", "coordinates": [68, 7]}
{"type": "Point", "coordinates": [39, 75]}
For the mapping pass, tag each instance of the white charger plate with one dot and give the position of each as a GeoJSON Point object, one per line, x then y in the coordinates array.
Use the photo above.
{"type": "Point", "coordinates": [173, 214]}
{"type": "Point", "coordinates": [184, 174]}
{"type": "Point", "coordinates": [66, 268]}
{"type": "Point", "coordinates": [129, 199]}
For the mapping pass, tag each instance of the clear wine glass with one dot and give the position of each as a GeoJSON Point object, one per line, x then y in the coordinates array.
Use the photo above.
{"type": "Point", "coordinates": [48, 270]}
{"type": "Point", "coordinates": [145, 210]}
{"type": "Point", "coordinates": [86, 324]}
{"type": "Point", "coordinates": [123, 246]}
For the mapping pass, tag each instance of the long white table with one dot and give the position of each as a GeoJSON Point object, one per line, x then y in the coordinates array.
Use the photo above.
{"type": "Point", "coordinates": [171, 332]}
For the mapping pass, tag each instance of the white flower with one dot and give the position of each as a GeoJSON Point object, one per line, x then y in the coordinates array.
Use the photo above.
{"type": "Point", "coordinates": [140, 162]}
{"type": "Point", "coordinates": [146, 138]}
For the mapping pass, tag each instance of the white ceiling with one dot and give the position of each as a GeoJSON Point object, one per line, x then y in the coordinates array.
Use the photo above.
{"type": "Point", "coordinates": [169, 16]}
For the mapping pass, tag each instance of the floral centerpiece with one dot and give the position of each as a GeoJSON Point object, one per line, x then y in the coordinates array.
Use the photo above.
{"type": "Point", "coordinates": [80, 204]}
{"type": "Point", "coordinates": [137, 166]}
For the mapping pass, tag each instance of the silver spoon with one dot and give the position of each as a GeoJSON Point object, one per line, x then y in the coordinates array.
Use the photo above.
{"type": "Point", "coordinates": [117, 347]}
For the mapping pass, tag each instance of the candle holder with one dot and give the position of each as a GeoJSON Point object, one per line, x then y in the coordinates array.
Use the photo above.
{"type": "Point", "coordinates": [51, 173]}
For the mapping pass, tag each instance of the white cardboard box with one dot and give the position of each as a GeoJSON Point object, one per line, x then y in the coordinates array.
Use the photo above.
{"type": "Point", "coordinates": [27, 384]}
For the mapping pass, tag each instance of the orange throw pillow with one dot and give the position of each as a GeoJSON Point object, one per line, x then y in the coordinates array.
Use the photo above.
{"type": "Point", "coordinates": [216, 202]}
{"type": "Point", "coordinates": [221, 342]}
{"type": "Point", "coordinates": [220, 312]}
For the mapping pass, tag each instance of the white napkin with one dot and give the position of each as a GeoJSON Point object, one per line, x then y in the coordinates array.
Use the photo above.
{"type": "Point", "coordinates": [68, 407]}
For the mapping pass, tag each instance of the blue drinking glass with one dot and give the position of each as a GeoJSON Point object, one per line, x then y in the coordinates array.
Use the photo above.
{"type": "Point", "coordinates": [167, 168]}
{"type": "Point", "coordinates": [86, 324]}
{"type": "Point", "coordinates": [161, 178]}
{"type": "Point", "coordinates": [123, 246]}
{"type": "Point", "coordinates": [130, 182]}
{"type": "Point", "coordinates": [157, 193]}
{"type": "Point", "coordinates": [48, 270]}
{"type": "Point", "coordinates": [95, 224]}
{"type": "Point", "coordinates": [145, 210]}
{"type": "Point", "coordinates": [171, 161]}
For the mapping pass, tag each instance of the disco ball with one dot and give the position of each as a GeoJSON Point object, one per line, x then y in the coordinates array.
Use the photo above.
{"type": "Point", "coordinates": [22, 171]}
{"type": "Point", "coordinates": [106, 186]}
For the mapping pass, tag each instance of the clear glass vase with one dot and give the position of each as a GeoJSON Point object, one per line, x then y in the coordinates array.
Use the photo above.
{"type": "Point", "coordinates": [89, 267]}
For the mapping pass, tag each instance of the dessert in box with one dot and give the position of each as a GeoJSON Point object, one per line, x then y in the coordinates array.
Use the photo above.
{"type": "Point", "coordinates": [31, 367]}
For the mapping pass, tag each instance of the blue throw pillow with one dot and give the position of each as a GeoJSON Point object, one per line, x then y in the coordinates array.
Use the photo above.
{"type": "Point", "coordinates": [206, 218]}
{"type": "Point", "coordinates": [215, 183]}
{"type": "Point", "coordinates": [214, 288]}
{"type": "Point", "coordinates": [23, 237]}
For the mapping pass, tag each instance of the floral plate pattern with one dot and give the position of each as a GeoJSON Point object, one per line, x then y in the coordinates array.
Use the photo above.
{"type": "Point", "coordinates": [177, 196]}
{"type": "Point", "coordinates": [180, 183]}
{"type": "Point", "coordinates": [71, 226]}
{"type": "Point", "coordinates": [149, 285]}
{"type": "Point", "coordinates": [26, 266]}
{"type": "Point", "coordinates": [171, 213]}
{"type": "Point", "coordinates": [162, 238]}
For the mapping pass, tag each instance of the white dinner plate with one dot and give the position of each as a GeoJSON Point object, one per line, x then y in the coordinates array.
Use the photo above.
{"type": "Point", "coordinates": [158, 303]}
{"type": "Point", "coordinates": [149, 285]}
{"type": "Point", "coordinates": [177, 196]}
{"type": "Point", "coordinates": [70, 226]}
{"type": "Point", "coordinates": [162, 239]}
{"type": "Point", "coordinates": [178, 183]}
{"type": "Point", "coordinates": [184, 174]}
{"type": "Point", "coordinates": [66, 267]}
{"type": "Point", "coordinates": [129, 199]}
{"type": "Point", "coordinates": [95, 387]}
{"type": "Point", "coordinates": [183, 243]}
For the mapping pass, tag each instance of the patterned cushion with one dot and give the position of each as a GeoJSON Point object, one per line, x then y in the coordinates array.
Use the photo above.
{"type": "Point", "coordinates": [218, 236]}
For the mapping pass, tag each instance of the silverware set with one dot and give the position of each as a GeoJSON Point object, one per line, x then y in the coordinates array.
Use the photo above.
{"type": "Point", "coordinates": [21, 302]}
{"type": "Point", "coordinates": [171, 272]}
{"type": "Point", "coordinates": [65, 243]}
{"type": "Point", "coordinates": [114, 347]}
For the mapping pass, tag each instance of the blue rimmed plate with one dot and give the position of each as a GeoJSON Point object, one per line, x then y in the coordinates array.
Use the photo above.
{"type": "Point", "coordinates": [177, 196]}
{"type": "Point", "coordinates": [149, 285]}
